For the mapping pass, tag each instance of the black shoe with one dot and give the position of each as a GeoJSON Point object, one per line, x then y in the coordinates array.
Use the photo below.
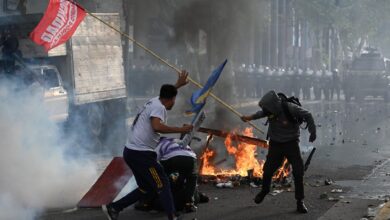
{"type": "Point", "coordinates": [260, 197]}
{"type": "Point", "coordinates": [301, 208]}
{"type": "Point", "coordinates": [178, 218]}
{"type": "Point", "coordinates": [141, 206]}
{"type": "Point", "coordinates": [203, 198]}
{"type": "Point", "coordinates": [110, 212]}
{"type": "Point", "coordinates": [190, 207]}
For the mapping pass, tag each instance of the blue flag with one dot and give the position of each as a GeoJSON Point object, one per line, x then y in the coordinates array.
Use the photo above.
{"type": "Point", "coordinates": [198, 98]}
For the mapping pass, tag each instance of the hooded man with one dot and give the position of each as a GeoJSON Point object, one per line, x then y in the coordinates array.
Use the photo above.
{"type": "Point", "coordinates": [283, 133]}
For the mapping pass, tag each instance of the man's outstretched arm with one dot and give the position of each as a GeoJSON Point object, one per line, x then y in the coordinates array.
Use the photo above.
{"type": "Point", "coordinates": [182, 79]}
{"type": "Point", "coordinates": [257, 115]}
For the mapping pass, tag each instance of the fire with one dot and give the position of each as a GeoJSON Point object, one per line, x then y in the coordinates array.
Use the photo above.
{"type": "Point", "coordinates": [207, 167]}
{"type": "Point", "coordinates": [283, 171]}
{"type": "Point", "coordinates": [245, 159]}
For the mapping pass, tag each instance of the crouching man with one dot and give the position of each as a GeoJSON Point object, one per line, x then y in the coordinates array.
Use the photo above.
{"type": "Point", "coordinates": [139, 152]}
{"type": "Point", "coordinates": [283, 132]}
{"type": "Point", "coordinates": [179, 163]}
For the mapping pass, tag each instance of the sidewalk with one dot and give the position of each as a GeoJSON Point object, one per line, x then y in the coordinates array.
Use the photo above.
{"type": "Point", "coordinates": [384, 212]}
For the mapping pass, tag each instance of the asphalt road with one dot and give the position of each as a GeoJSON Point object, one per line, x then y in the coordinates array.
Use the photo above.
{"type": "Point", "coordinates": [353, 140]}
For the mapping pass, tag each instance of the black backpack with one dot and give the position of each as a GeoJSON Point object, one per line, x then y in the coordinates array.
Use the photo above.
{"type": "Point", "coordinates": [286, 111]}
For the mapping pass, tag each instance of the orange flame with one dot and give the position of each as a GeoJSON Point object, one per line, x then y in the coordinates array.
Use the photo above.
{"type": "Point", "coordinates": [207, 167]}
{"type": "Point", "coordinates": [283, 171]}
{"type": "Point", "coordinates": [245, 159]}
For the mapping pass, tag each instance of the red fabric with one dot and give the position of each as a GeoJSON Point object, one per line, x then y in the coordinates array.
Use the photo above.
{"type": "Point", "coordinates": [58, 24]}
{"type": "Point", "coordinates": [108, 185]}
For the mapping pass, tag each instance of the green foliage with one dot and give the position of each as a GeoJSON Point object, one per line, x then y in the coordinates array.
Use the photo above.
{"type": "Point", "coordinates": [354, 19]}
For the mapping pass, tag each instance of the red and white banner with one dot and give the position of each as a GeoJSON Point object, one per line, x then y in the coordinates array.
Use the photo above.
{"type": "Point", "coordinates": [58, 24]}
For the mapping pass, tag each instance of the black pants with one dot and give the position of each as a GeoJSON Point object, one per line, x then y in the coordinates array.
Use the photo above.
{"type": "Point", "coordinates": [151, 180]}
{"type": "Point", "coordinates": [183, 188]}
{"type": "Point", "coordinates": [276, 153]}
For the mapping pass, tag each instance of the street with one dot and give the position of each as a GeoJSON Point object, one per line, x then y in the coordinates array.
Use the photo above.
{"type": "Point", "coordinates": [352, 150]}
{"type": "Point", "coordinates": [82, 79]}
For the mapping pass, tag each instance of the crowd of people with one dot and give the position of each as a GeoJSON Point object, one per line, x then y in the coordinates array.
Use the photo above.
{"type": "Point", "coordinates": [251, 81]}
{"type": "Point", "coordinates": [254, 81]}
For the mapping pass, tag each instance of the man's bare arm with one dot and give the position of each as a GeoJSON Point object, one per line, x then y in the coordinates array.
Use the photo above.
{"type": "Point", "coordinates": [160, 127]}
{"type": "Point", "coordinates": [182, 79]}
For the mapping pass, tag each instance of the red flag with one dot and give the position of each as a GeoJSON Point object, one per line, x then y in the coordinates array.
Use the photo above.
{"type": "Point", "coordinates": [58, 24]}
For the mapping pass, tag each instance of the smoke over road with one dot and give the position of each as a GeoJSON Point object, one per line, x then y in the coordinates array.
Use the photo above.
{"type": "Point", "coordinates": [36, 172]}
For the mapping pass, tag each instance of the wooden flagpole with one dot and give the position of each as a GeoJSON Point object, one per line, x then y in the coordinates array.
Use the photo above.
{"type": "Point", "coordinates": [166, 63]}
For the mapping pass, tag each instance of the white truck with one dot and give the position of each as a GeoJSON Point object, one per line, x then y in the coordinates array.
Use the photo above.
{"type": "Point", "coordinates": [84, 79]}
{"type": "Point", "coordinates": [55, 95]}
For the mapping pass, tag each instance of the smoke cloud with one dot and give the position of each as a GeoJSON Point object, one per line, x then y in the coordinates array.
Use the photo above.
{"type": "Point", "coordinates": [229, 26]}
{"type": "Point", "coordinates": [36, 172]}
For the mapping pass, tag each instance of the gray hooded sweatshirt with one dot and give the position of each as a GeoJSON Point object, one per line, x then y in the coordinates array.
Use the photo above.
{"type": "Point", "coordinates": [280, 128]}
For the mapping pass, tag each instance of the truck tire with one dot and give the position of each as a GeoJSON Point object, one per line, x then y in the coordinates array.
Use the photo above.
{"type": "Point", "coordinates": [81, 127]}
{"type": "Point", "coordinates": [95, 113]}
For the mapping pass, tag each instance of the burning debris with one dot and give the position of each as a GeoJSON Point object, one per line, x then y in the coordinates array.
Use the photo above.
{"type": "Point", "coordinates": [248, 167]}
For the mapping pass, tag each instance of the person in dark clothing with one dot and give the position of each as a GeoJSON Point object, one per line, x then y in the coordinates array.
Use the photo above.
{"type": "Point", "coordinates": [284, 136]}
{"type": "Point", "coordinates": [179, 163]}
{"type": "Point", "coordinates": [10, 48]}
{"type": "Point", "coordinates": [139, 152]}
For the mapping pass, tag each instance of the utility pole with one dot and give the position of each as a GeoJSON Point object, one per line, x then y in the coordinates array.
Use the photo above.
{"type": "Point", "coordinates": [305, 37]}
{"type": "Point", "coordinates": [267, 39]}
{"type": "Point", "coordinates": [274, 33]}
{"type": "Point", "coordinates": [282, 36]}
{"type": "Point", "coordinates": [297, 40]}
{"type": "Point", "coordinates": [128, 50]}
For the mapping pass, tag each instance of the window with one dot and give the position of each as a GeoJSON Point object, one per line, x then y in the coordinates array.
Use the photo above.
{"type": "Point", "coordinates": [368, 64]}
{"type": "Point", "coordinates": [50, 78]}
{"type": "Point", "coordinates": [11, 5]}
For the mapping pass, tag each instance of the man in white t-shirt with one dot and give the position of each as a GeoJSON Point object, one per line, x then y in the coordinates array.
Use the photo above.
{"type": "Point", "coordinates": [139, 152]}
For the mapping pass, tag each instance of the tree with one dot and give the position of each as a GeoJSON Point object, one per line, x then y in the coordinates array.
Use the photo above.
{"type": "Point", "coordinates": [356, 21]}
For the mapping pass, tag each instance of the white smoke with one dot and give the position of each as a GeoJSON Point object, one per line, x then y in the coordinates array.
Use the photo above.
{"type": "Point", "coordinates": [35, 171]}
